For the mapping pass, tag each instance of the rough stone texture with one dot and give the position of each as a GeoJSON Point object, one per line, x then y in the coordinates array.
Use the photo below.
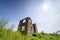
{"type": "Point", "coordinates": [26, 26]}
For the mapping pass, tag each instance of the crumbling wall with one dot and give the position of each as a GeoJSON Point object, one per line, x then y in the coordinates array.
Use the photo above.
{"type": "Point", "coordinates": [26, 26]}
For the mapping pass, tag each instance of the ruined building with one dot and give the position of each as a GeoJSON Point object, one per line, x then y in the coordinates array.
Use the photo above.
{"type": "Point", "coordinates": [26, 26]}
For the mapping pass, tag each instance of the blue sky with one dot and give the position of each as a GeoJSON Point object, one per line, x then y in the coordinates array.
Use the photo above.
{"type": "Point", "coordinates": [45, 13]}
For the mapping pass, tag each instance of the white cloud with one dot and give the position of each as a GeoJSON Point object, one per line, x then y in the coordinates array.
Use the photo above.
{"type": "Point", "coordinates": [46, 21]}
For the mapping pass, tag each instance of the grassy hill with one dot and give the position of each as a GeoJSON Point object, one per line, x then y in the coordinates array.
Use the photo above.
{"type": "Point", "coordinates": [10, 35]}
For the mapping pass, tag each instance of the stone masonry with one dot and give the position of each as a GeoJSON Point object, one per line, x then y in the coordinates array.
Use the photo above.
{"type": "Point", "coordinates": [26, 26]}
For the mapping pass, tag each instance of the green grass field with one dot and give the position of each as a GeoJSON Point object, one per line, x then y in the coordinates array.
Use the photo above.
{"type": "Point", "coordinates": [10, 35]}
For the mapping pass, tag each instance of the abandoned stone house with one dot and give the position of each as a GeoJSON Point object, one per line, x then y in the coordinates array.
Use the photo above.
{"type": "Point", "coordinates": [26, 26]}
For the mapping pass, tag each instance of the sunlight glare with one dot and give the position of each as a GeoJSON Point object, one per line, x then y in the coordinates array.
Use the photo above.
{"type": "Point", "coordinates": [45, 7]}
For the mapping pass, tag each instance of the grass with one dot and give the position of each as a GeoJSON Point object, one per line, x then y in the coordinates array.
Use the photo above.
{"type": "Point", "coordinates": [10, 35]}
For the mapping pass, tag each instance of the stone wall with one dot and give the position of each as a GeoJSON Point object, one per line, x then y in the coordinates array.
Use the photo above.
{"type": "Point", "coordinates": [26, 26]}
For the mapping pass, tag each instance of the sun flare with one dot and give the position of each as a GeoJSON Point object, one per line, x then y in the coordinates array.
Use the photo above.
{"type": "Point", "coordinates": [45, 7]}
